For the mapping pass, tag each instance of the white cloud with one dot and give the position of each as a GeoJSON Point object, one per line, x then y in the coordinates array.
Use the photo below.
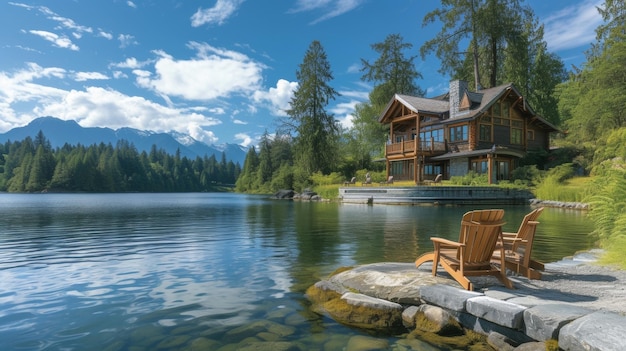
{"type": "Point", "coordinates": [98, 107]}
{"type": "Point", "coordinates": [197, 132]}
{"type": "Point", "coordinates": [131, 4]}
{"type": "Point", "coordinates": [344, 113]}
{"type": "Point", "coordinates": [278, 97]}
{"type": "Point", "coordinates": [119, 75]}
{"type": "Point", "coordinates": [355, 68]}
{"type": "Point", "coordinates": [246, 140]}
{"type": "Point", "coordinates": [217, 14]}
{"type": "Point", "coordinates": [65, 22]}
{"type": "Point", "coordinates": [18, 88]}
{"type": "Point", "coordinates": [331, 8]}
{"type": "Point", "coordinates": [105, 35]}
{"type": "Point", "coordinates": [126, 40]}
{"type": "Point", "coordinates": [573, 26]}
{"type": "Point", "coordinates": [131, 63]}
{"type": "Point", "coordinates": [238, 121]}
{"type": "Point", "coordinates": [59, 41]}
{"type": "Point", "coordinates": [92, 107]}
{"type": "Point", "coordinates": [83, 76]}
{"type": "Point", "coordinates": [214, 73]}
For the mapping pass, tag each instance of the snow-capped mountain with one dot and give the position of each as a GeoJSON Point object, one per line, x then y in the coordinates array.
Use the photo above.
{"type": "Point", "coordinates": [59, 132]}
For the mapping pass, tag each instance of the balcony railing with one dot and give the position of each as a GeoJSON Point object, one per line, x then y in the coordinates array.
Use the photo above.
{"type": "Point", "coordinates": [426, 147]}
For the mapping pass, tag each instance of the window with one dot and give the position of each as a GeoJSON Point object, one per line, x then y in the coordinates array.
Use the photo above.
{"type": "Point", "coordinates": [495, 109]}
{"type": "Point", "coordinates": [435, 134]}
{"type": "Point", "coordinates": [480, 167]}
{"type": "Point", "coordinates": [432, 169]}
{"type": "Point", "coordinates": [427, 135]}
{"type": "Point", "coordinates": [505, 109]}
{"type": "Point", "coordinates": [516, 136]}
{"type": "Point", "coordinates": [530, 135]}
{"type": "Point", "coordinates": [485, 132]}
{"type": "Point", "coordinates": [458, 133]}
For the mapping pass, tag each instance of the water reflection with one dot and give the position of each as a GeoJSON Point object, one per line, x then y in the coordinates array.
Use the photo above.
{"type": "Point", "coordinates": [146, 271]}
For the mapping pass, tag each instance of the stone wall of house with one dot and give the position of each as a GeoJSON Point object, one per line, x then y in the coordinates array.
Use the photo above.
{"type": "Point", "coordinates": [458, 167]}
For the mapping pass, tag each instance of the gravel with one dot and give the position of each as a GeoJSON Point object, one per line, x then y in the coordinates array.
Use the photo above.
{"type": "Point", "coordinates": [578, 280]}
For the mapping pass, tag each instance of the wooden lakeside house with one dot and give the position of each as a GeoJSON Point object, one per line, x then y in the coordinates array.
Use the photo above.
{"type": "Point", "coordinates": [486, 131]}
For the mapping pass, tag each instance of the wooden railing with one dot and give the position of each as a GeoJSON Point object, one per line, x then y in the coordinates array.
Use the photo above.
{"type": "Point", "coordinates": [425, 147]}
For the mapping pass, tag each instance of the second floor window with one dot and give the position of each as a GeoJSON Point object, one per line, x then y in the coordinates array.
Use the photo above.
{"type": "Point", "coordinates": [485, 132]}
{"type": "Point", "coordinates": [458, 133]}
{"type": "Point", "coordinates": [516, 136]}
{"type": "Point", "coordinates": [435, 134]}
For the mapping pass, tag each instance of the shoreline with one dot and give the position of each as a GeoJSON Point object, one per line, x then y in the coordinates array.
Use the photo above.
{"type": "Point", "coordinates": [577, 302]}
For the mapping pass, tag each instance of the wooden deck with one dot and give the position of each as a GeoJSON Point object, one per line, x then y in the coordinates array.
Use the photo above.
{"type": "Point", "coordinates": [436, 195]}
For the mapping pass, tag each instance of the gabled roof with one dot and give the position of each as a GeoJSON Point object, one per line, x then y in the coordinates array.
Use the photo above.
{"type": "Point", "coordinates": [415, 104]}
{"type": "Point", "coordinates": [481, 101]}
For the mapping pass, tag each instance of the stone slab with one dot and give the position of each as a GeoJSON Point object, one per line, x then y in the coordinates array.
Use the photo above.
{"type": "Point", "coordinates": [355, 299]}
{"type": "Point", "coordinates": [545, 321]}
{"type": "Point", "coordinates": [504, 313]}
{"type": "Point", "coordinates": [598, 331]}
{"type": "Point", "coordinates": [447, 296]}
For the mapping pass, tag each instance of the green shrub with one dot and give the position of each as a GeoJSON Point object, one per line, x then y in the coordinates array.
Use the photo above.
{"type": "Point", "coordinates": [471, 178]}
{"type": "Point", "coordinates": [526, 175]}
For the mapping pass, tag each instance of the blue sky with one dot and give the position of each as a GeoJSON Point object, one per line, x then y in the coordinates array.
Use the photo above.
{"type": "Point", "coordinates": [221, 71]}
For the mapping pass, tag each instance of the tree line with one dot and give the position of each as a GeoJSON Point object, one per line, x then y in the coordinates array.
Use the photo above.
{"type": "Point", "coordinates": [34, 166]}
{"type": "Point", "coordinates": [504, 43]}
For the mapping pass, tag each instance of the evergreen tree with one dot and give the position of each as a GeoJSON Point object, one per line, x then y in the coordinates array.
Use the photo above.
{"type": "Point", "coordinates": [316, 130]}
{"type": "Point", "coordinates": [393, 73]}
{"type": "Point", "coordinates": [593, 101]}
{"type": "Point", "coordinates": [265, 169]}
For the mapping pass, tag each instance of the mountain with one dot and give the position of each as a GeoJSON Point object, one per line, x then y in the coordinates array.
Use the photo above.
{"type": "Point", "coordinates": [60, 132]}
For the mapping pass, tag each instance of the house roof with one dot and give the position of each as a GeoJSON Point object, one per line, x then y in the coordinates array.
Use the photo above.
{"type": "Point", "coordinates": [481, 101]}
{"type": "Point", "coordinates": [481, 152]}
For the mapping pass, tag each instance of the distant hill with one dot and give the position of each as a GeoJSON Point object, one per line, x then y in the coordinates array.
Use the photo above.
{"type": "Point", "coordinates": [60, 132]}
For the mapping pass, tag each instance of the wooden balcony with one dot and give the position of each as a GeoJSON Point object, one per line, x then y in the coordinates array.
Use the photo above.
{"type": "Point", "coordinates": [411, 148]}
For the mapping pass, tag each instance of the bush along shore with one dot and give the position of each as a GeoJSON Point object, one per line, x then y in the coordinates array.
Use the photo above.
{"type": "Point", "coordinates": [421, 310]}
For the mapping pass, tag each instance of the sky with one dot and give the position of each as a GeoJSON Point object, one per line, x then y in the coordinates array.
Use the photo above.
{"type": "Point", "coordinates": [222, 71]}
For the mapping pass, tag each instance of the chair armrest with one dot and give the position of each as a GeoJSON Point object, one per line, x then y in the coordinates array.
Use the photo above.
{"type": "Point", "coordinates": [446, 242]}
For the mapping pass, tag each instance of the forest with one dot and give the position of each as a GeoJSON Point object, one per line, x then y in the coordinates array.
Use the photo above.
{"type": "Point", "coordinates": [34, 166]}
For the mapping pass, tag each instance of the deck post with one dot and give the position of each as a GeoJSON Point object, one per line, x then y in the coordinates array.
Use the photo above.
{"type": "Point", "coordinates": [490, 167]}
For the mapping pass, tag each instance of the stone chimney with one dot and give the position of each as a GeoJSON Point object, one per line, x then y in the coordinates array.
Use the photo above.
{"type": "Point", "coordinates": [457, 89]}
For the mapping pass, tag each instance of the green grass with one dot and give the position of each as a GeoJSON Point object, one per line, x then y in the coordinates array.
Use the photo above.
{"type": "Point", "coordinates": [571, 190]}
{"type": "Point", "coordinates": [614, 255]}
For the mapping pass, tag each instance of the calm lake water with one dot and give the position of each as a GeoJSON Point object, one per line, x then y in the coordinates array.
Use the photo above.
{"type": "Point", "coordinates": [199, 271]}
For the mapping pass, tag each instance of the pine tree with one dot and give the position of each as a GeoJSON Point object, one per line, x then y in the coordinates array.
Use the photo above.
{"type": "Point", "coordinates": [316, 130]}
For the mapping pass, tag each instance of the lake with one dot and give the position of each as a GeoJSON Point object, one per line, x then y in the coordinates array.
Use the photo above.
{"type": "Point", "coordinates": [204, 270]}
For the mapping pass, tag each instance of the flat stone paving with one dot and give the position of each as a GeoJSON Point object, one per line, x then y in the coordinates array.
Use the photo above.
{"type": "Point", "coordinates": [576, 301]}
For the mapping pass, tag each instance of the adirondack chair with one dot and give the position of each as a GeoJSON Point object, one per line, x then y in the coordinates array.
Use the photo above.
{"type": "Point", "coordinates": [351, 181]}
{"type": "Point", "coordinates": [518, 247]}
{"type": "Point", "coordinates": [472, 254]}
{"type": "Point", "coordinates": [368, 179]}
{"type": "Point", "coordinates": [435, 181]}
{"type": "Point", "coordinates": [389, 181]}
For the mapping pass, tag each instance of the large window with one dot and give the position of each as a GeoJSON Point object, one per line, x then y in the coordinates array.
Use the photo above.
{"type": "Point", "coordinates": [458, 133]}
{"type": "Point", "coordinates": [485, 132]}
{"type": "Point", "coordinates": [480, 166]}
{"type": "Point", "coordinates": [516, 136]}
{"type": "Point", "coordinates": [432, 169]}
{"type": "Point", "coordinates": [435, 134]}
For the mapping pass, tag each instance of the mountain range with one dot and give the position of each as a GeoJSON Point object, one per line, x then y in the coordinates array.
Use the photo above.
{"type": "Point", "coordinates": [60, 132]}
